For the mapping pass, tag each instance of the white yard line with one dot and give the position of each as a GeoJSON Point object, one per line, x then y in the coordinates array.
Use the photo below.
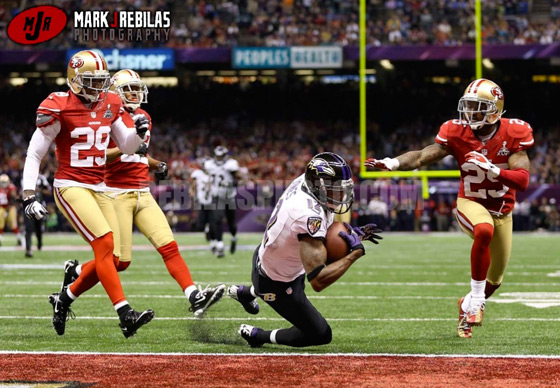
{"type": "Point", "coordinates": [312, 355]}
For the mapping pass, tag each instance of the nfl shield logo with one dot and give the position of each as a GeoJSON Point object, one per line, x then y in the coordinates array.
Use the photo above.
{"type": "Point", "coordinates": [93, 115]}
{"type": "Point", "coordinates": [314, 224]}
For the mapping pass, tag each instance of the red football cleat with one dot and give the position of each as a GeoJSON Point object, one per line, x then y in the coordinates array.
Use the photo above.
{"type": "Point", "coordinates": [475, 315]}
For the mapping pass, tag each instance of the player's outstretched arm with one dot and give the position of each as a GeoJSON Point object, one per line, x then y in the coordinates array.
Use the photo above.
{"type": "Point", "coordinates": [314, 257]}
{"type": "Point", "coordinates": [410, 160]}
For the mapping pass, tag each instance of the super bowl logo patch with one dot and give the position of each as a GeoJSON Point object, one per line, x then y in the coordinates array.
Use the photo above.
{"type": "Point", "coordinates": [108, 114]}
{"type": "Point", "coordinates": [503, 151]}
{"type": "Point", "coordinates": [313, 225]}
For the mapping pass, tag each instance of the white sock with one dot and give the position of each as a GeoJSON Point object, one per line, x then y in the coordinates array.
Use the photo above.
{"type": "Point", "coordinates": [70, 295]}
{"type": "Point", "coordinates": [120, 304]}
{"type": "Point", "coordinates": [466, 302]}
{"type": "Point", "coordinates": [220, 245]}
{"type": "Point", "coordinates": [477, 290]}
{"type": "Point", "coordinates": [189, 290]}
{"type": "Point", "coordinates": [252, 289]}
{"type": "Point", "coordinates": [213, 243]}
{"type": "Point", "coordinates": [273, 336]}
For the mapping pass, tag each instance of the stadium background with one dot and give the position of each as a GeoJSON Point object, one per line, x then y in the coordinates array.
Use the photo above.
{"type": "Point", "coordinates": [274, 118]}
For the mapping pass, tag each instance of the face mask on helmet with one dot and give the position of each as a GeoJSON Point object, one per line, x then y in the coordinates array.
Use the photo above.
{"type": "Point", "coordinates": [336, 196]}
{"type": "Point", "coordinates": [133, 94]}
{"type": "Point", "coordinates": [220, 153]}
{"type": "Point", "coordinates": [93, 85]}
{"type": "Point", "coordinates": [476, 112]}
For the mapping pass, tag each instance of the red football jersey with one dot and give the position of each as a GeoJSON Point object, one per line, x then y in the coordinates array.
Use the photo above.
{"type": "Point", "coordinates": [7, 194]}
{"type": "Point", "coordinates": [84, 134]}
{"type": "Point", "coordinates": [512, 136]}
{"type": "Point", "coordinates": [129, 171]}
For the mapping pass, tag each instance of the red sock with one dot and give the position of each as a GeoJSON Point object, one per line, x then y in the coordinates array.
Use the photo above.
{"type": "Point", "coordinates": [480, 252]}
{"type": "Point", "coordinates": [87, 279]}
{"type": "Point", "coordinates": [176, 265]}
{"type": "Point", "coordinates": [490, 288]}
{"type": "Point", "coordinates": [16, 230]}
{"type": "Point", "coordinates": [106, 269]}
{"type": "Point", "coordinates": [122, 265]}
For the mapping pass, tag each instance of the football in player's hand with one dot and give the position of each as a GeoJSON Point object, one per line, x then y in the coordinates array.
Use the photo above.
{"type": "Point", "coordinates": [336, 245]}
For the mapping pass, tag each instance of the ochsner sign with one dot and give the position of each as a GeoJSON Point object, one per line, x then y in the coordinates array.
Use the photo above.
{"type": "Point", "coordinates": [136, 59]}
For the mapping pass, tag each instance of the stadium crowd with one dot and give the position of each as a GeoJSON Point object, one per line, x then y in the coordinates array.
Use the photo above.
{"type": "Point", "coordinates": [226, 23]}
{"type": "Point", "coordinates": [274, 140]}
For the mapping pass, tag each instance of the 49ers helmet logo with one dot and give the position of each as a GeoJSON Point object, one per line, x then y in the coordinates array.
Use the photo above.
{"type": "Point", "coordinates": [497, 92]}
{"type": "Point", "coordinates": [76, 62]}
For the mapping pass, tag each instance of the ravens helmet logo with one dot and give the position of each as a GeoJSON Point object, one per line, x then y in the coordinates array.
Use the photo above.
{"type": "Point", "coordinates": [321, 166]}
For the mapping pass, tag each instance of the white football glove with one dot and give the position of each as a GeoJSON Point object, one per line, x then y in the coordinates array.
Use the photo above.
{"type": "Point", "coordinates": [390, 164]}
{"type": "Point", "coordinates": [481, 161]}
{"type": "Point", "coordinates": [33, 209]}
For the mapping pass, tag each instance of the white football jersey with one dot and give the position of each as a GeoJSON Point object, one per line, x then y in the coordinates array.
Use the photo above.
{"type": "Point", "coordinates": [222, 177]}
{"type": "Point", "coordinates": [202, 182]}
{"type": "Point", "coordinates": [297, 212]}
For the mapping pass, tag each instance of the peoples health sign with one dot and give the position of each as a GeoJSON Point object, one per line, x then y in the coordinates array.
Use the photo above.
{"type": "Point", "coordinates": [136, 59]}
{"type": "Point", "coordinates": [328, 57]}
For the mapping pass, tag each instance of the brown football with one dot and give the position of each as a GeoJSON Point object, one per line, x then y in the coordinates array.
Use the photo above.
{"type": "Point", "coordinates": [336, 245]}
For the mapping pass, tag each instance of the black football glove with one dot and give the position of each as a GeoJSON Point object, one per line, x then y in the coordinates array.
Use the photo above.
{"type": "Point", "coordinates": [161, 172]}
{"type": "Point", "coordinates": [370, 233]}
{"type": "Point", "coordinates": [142, 150]}
{"type": "Point", "coordinates": [33, 209]}
{"type": "Point", "coordinates": [142, 125]}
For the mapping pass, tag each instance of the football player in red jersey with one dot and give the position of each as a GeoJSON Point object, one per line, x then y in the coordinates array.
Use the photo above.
{"type": "Point", "coordinates": [491, 153]}
{"type": "Point", "coordinates": [8, 212]}
{"type": "Point", "coordinates": [127, 179]}
{"type": "Point", "coordinates": [79, 122]}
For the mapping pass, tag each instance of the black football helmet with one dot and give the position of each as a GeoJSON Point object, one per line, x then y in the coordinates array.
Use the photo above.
{"type": "Point", "coordinates": [329, 179]}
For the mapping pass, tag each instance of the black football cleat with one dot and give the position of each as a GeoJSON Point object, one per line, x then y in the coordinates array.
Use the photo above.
{"type": "Point", "coordinates": [249, 334]}
{"type": "Point", "coordinates": [203, 299]}
{"type": "Point", "coordinates": [133, 320]}
{"type": "Point", "coordinates": [61, 313]}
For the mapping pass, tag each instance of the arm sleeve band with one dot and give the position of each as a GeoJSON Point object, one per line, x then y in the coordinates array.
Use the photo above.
{"type": "Point", "coordinates": [38, 148]}
{"type": "Point", "coordinates": [517, 179]}
{"type": "Point", "coordinates": [313, 274]}
{"type": "Point", "coordinates": [126, 138]}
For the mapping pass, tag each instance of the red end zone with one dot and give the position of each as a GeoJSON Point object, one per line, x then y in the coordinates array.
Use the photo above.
{"type": "Point", "coordinates": [277, 371]}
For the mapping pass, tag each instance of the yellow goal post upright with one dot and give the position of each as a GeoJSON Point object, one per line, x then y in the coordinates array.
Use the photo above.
{"type": "Point", "coordinates": [423, 175]}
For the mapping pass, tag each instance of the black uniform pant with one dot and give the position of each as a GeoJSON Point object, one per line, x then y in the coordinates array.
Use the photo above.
{"type": "Point", "coordinates": [33, 226]}
{"type": "Point", "coordinates": [289, 300]}
{"type": "Point", "coordinates": [223, 208]}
